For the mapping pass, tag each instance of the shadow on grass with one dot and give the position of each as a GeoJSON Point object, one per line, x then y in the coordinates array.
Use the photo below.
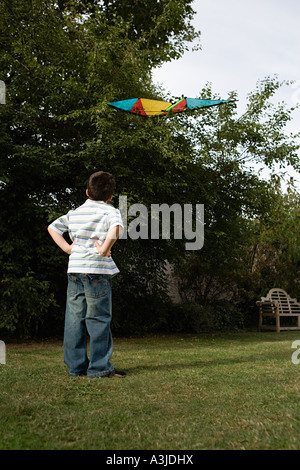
{"type": "Point", "coordinates": [187, 364]}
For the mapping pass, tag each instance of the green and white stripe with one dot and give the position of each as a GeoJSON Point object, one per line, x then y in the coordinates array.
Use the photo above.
{"type": "Point", "coordinates": [86, 224]}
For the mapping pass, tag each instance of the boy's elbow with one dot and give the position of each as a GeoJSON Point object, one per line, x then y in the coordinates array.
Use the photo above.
{"type": "Point", "coordinates": [120, 230]}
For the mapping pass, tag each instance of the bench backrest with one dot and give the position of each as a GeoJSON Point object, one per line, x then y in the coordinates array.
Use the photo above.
{"type": "Point", "coordinates": [287, 305]}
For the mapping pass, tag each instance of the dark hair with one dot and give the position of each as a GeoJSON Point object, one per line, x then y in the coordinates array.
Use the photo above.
{"type": "Point", "coordinates": [101, 186]}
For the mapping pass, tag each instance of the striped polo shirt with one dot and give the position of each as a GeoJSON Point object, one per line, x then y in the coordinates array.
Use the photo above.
{"type": "Point", "coordinates": [88, 223]}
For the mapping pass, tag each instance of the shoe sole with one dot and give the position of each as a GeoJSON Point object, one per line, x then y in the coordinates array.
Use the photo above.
{"type": "Point", "coordinates": [117, 374]}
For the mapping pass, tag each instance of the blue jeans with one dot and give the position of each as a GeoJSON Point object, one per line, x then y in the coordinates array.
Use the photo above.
{"type": "Point", "coordinates": [88, 311]}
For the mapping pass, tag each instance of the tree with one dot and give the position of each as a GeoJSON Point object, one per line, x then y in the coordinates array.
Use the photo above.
{"type": "Point", "coordinates": [62, 62]}
{"type": "Point", "coordinates": [162, 27]}
{"type": "Point", "coordinates": [276, 254]}
{"type": "Point", "coordinates": [225, 278]}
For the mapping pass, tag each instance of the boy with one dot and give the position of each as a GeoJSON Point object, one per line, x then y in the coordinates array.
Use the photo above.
{"type": "Point", "coordinates": [93, 229]}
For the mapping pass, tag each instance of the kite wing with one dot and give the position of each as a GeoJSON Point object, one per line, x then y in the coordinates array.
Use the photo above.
{"type": "Point", "coordinates": [193, 103]}
{"type": "Point", "coordinates": [150, 108]}
{"type": "Point", "coordinates": [142, 106]}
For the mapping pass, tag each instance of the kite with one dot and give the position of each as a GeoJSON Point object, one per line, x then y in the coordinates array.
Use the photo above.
{"type": "Point", "coordinates": [151, 108]}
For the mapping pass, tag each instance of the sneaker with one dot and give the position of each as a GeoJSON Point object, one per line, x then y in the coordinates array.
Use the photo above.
{"type": "Point", "coordinates": [116, 373]}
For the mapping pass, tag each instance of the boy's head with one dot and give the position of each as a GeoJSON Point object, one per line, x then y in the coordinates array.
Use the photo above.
{"type": "Point", "coordinates": [101, 186]}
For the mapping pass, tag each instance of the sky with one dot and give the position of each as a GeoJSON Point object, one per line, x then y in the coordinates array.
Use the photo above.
{"type": "Point", "coordinates": [243, 41]}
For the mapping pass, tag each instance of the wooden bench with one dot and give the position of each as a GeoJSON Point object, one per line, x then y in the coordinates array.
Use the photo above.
{"type": "Point", "coordinates": [278, 304]}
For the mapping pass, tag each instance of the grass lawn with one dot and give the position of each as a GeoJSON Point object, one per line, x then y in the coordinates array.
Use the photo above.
{"type": "Point", "coordinates": [230, 391]}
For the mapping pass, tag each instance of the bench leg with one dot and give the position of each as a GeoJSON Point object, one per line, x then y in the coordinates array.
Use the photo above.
{"type": "Point", "coordinates": [261, 319]}
{"type": "Point", "coordinates": [277, 320]}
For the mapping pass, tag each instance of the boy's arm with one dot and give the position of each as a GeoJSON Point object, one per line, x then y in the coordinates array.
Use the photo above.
{"type": "Point", "coordinates": [60, 241]}
{"type": "Point", "coordinates": [111, 238]}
